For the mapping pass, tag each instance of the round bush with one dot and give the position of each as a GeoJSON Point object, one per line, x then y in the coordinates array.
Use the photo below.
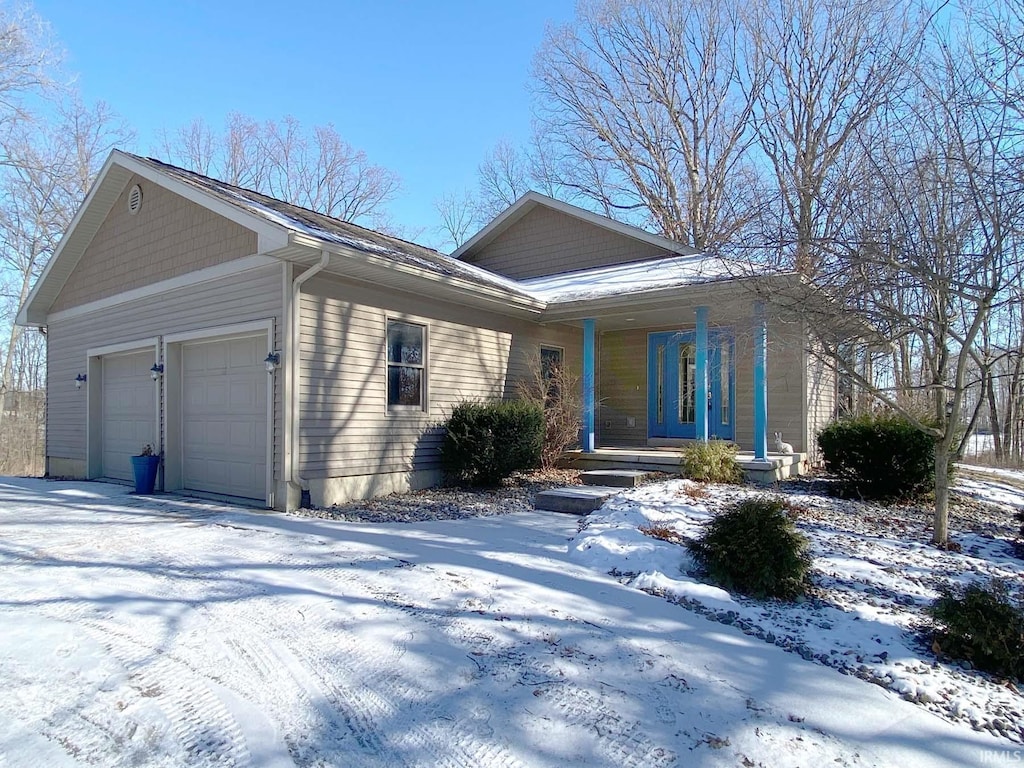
{"type": "Point", "coordinates": [755, 549]}
{"type": "Point", "coordinates": [486, 442]}
{"type": "Point", "coordinates": [983, 626]}
{"type": "Point", "coordinates": [879, 456]}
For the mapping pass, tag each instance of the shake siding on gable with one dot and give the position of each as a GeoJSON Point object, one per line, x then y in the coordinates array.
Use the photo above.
{"type": "Point", "coordinates": [345, 424]}
{"type": "Point", "coordinates": [249, 296]}
{"type": "Point", "coordinates": [169, 236]}
{"type": "Point", "coordinates": [546, 242]}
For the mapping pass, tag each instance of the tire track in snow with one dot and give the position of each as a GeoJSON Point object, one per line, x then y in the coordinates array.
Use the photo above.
{"type": "Point", "coordinates": [623, 741]}
{"type": "Point", "coordinates": [338, 717]}
{"type": "Point", "coordinates": [201, 723]}
{"type": "Point", "coordinates": [363, 689]}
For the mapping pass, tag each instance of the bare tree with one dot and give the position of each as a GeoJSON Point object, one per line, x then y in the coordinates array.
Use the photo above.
{"type": "Point", "coordinates": [459, 214]}
{"type": "Point", "coordinates": [52, 165]}
{"type": "Point", "coordinates": [929, 254]}
{"type": "Point", "coordinates": [318, 170]}
{"type": "Point", "coordinates": [504, 176]}
{"type": "Point", "coordinates": [27, 58]}
{"type": "Point", "coordinates": [643, 111]}
{"type": "Point", "coordinates": [828, 68]}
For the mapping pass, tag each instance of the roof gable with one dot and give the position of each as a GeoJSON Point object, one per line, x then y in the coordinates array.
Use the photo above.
{"type": "Point", "coordinates": [163, 238]}
{"type": "Point", "coordinates": [110, 185]}
{"type": "Point", "coordinates": [539, 235]}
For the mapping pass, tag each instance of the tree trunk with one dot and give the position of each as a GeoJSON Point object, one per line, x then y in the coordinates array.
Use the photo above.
{"type": "Point", "coordinates": [993, 416]}
{"type": "Point", "coordinates": [940, 527]}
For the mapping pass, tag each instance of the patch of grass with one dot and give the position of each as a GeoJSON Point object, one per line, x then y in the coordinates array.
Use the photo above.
{"type": "Point", "coordinates": [696, 492]}
{"type": "Point", "coordinates": [711, 461]}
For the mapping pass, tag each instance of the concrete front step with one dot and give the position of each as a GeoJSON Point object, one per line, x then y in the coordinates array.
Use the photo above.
{"type": "Point", "coordinates": [617, 478]}
{"type": "Point", "coordinates": [575, 500]}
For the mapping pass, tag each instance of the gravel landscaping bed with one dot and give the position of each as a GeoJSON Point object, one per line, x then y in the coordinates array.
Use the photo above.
{"type": "Point", "coordinates": [515, 495]}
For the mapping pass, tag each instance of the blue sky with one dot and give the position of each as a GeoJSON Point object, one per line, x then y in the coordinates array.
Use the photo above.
{"type": "Point", "coordinates": [425, 88]}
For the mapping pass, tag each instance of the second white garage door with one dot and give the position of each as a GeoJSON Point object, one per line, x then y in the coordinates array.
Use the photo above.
{"type": "Point", "coordinates": [129, 411]}
{"type": "Point", "coordinates": [224, 416]}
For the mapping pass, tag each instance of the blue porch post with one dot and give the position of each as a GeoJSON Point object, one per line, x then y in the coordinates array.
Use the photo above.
{"type": "Point", "coordinates": [587, 436]}
{"type": "Point", "coordinates": [760, 383]}
{"type": "Point", "coordinates": [701, 393]}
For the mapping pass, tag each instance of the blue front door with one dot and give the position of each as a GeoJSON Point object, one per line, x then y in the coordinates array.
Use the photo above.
{"type": "Point", "coordinates": [672, 384]}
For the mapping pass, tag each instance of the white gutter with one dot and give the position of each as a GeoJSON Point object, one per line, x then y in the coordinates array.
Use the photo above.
{"type": "Point", "coordinates": [294, 363]}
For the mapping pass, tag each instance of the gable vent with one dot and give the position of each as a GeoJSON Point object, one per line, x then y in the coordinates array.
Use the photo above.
{"type": "Point", "coordinates": [134, 199]}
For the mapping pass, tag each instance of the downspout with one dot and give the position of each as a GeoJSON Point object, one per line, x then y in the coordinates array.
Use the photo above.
{"type": "Point", "coordinates": [294, 362]}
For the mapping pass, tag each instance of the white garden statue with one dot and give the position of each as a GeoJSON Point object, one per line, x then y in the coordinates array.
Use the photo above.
{"type": "Point", "coordinates": [780, 446]}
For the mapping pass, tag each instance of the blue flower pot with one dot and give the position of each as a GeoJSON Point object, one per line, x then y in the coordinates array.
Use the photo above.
{"type": "Point", "coordinates": [145, 468]}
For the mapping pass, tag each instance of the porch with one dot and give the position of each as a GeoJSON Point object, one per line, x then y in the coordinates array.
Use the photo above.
{"type": "Point", "coordinates": [773, 468]}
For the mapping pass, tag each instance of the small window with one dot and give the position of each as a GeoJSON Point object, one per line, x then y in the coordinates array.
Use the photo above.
{"type": "Point", "coordinates": [550, 368]}
{"type": "Point", "coordinates": [406, 365]}
{"type": "Point", "coordinates": [550, 362]}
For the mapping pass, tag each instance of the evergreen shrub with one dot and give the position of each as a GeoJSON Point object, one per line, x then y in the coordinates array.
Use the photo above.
{"type": "Point", "coordinates": [754, 548]}
{"type": "Point", "coordinates": [879, 456]}
{"type": "Point", "coordinates": [485, 442]}
{"type": "Point", "coordinates": [983, 625]}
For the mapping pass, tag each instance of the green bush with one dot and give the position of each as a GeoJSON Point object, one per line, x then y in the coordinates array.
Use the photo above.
{"type": "Point", "coordinates": [754, 548]}
{"type": "Point", "coordinates": [879, 456]}
{"type": "Point", "coordinates": [711, 461]}
{"type": "Point", "coordinates": [486, 442]}
{"type": "Point", "coordinates": [982, 625]}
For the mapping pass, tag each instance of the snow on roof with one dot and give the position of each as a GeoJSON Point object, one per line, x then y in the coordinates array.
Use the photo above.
{"type": "Point", "coordinates": [673, 271]}
{"type": "Point", "coordinates": [630, 278]}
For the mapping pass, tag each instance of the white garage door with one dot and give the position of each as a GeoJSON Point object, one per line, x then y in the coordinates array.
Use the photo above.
{"type": "Point", "coordinates": [224, 416]}
{"type": "Point", "coordinates": [129, 411]}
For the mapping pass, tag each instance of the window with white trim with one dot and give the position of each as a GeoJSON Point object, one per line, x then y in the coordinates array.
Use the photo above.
{"type": "Point", "coordinates": [407, 372]}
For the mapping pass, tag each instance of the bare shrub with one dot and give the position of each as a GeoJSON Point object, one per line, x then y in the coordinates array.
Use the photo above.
{"type": "Point", "coordinates": [22, 438]}
{"type": "Point", "coordinates": [664, 533]}
{"type": "Point", "coordinates": [556, 390]}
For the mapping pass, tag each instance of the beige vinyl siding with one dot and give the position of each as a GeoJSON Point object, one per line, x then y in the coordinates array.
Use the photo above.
{"type": "Point", "coordinates": [621, 389]}
{"type": "Point", "coordinates": [622, 384]}
{"type": "Point", "coordinates": [786, 404]}
{"type": "Point", "coordinates": [545, 242]}
{"type": "Point", "coordinates": [346, 427]}
{"type": "Point", "coordinates": [168, 237]}
{"type": "Point", "coordinates": [248, 296]}
{"type": "Point", "coordinates": [821, 401]}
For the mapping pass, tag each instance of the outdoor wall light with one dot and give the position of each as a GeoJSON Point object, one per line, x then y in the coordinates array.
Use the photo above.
{"type": "Point", "coordinates": [272, 361]}
{"type": "Point", "coordinates": [80, 379]}
{"type": "Point", "coordinates": [156, 371]}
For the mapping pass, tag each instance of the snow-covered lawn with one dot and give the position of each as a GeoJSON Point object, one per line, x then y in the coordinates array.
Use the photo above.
{"type": "Point", "coordinates": [873, 573]}
{"type": "Point", "coordinates": [165, 632]}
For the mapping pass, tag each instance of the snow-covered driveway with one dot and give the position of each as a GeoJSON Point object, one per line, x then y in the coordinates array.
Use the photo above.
{"type": "Point", "coordinates": [167, 632]}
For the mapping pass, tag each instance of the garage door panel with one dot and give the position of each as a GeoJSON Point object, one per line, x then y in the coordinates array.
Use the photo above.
{"type": "Point", "coordinates": [128, 419]}
{"type": "Point", "coordinates": [224, 425]}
